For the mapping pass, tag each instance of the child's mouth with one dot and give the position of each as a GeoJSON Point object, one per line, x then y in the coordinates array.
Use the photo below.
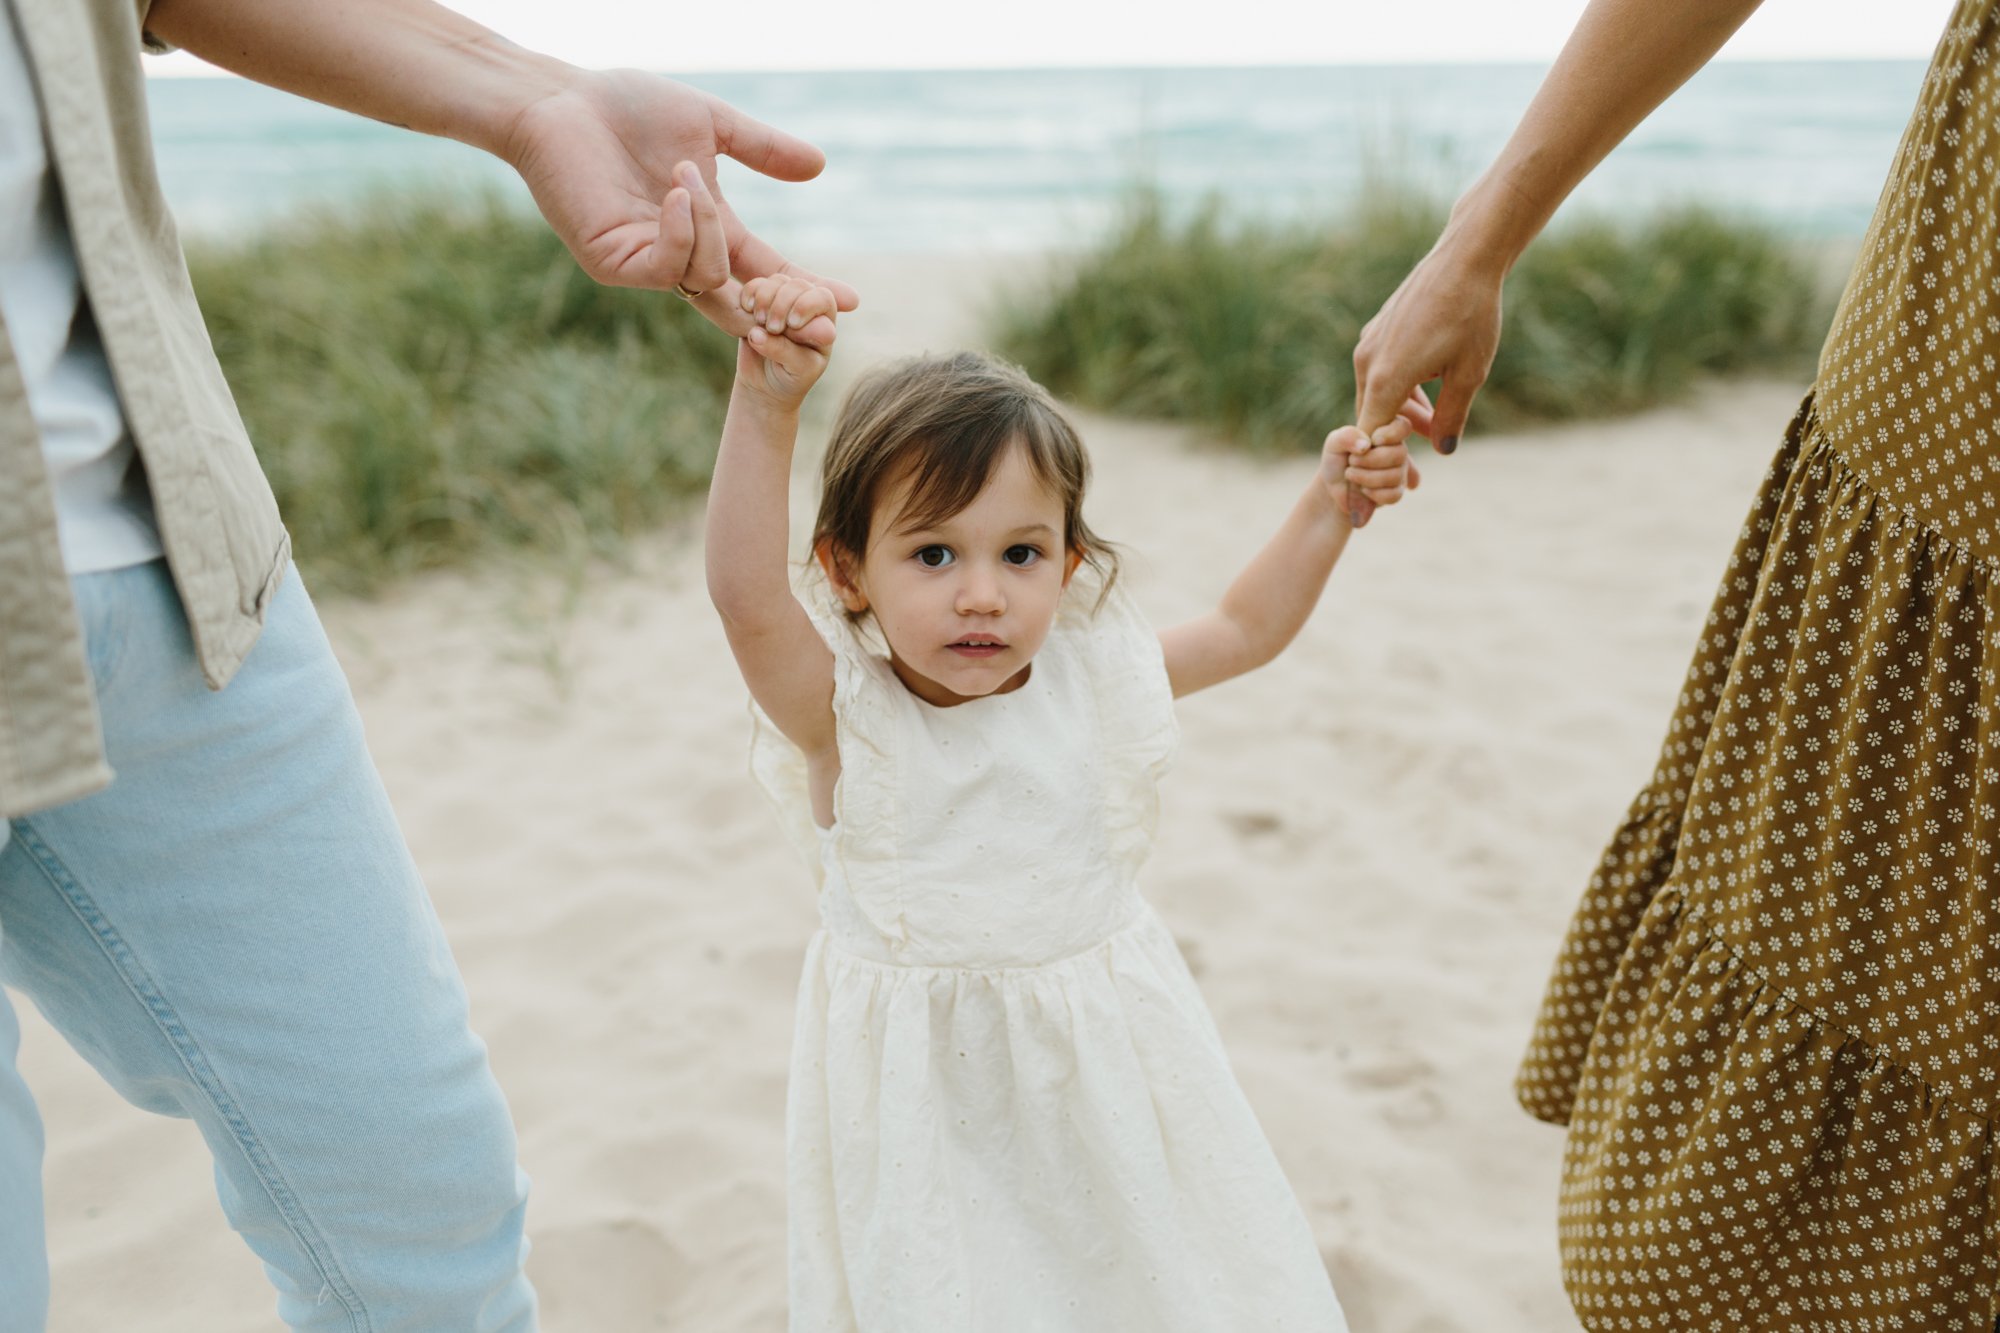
{"type": "Point", "coordinates": [977, 646]}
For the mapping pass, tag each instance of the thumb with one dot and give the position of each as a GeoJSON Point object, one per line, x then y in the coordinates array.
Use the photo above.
{"type": "Point", "coordinates": [1454, 404]}
{"type": "Point", "coordinates": [777, 348]}
{"type": "Point", "coordinates": [1345, 440]}
{"type": "Point", "coordinates": [817, 332]}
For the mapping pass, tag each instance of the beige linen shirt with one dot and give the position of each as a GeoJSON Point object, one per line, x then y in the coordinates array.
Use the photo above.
{"type": "Point", "coordinates": [217, 520]}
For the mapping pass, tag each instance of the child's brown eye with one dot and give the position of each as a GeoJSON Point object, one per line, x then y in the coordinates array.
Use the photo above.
{"type": "Point", "coordinates": [934, 557]}
{"type": "Point", "coordinates": [1022, 555]}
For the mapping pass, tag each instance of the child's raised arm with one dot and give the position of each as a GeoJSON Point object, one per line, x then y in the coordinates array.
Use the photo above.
{"type": "Point", "coordinates": [1269, 601]}
{"type": "Point", "coordinates": [786, 664]}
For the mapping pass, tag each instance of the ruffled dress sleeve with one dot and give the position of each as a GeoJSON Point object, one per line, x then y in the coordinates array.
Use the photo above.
{"type": "Point", "coordinates": [1120, 651]}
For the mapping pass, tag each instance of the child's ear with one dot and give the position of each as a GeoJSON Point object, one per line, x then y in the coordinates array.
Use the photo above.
{"type": "Point", "coordinates": [840, 575]}
{"type": "Point", "coordinates": [1075, 559]}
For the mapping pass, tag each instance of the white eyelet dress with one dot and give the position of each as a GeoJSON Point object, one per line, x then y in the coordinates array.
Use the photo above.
{"type": "Point", "coordinates": [1010, 1111]}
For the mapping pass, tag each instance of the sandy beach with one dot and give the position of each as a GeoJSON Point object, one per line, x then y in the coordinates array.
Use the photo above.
{"type": "Point", "coordinates": [1369, 851]}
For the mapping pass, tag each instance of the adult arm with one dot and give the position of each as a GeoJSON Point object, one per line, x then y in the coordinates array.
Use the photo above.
{"type": "Point", "coordinates": [596, 148]}
{"type": "Point", "coordinates": [1623, 59]}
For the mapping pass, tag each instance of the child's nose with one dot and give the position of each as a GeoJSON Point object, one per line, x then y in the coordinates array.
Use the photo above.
{"type": "Point", "coordinates": [980, 594]}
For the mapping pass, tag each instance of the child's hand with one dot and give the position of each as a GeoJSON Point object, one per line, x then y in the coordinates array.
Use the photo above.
{"type": "Point", "coordinates": [1360, 474]}
{"type": "Point", "coordinates": [773, 360]}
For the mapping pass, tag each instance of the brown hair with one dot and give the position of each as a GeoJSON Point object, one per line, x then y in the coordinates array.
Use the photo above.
{"type": "Point", "coordinates": [945, 422]}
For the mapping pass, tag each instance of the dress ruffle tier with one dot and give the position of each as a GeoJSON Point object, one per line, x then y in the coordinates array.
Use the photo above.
{"type": "Point", "coordinates": [1771, 1027]}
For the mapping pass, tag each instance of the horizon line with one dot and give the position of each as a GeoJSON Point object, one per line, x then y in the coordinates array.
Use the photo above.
{"type": "Point", "coordinates": [186, 68]}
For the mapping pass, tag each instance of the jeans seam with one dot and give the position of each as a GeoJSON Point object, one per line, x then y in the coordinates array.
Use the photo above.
{"type": "Point", "coordinates": [188, 1052]}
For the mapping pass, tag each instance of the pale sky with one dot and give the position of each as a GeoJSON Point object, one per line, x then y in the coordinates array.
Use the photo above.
{"type": "Point", "coordinates": [927, 34]}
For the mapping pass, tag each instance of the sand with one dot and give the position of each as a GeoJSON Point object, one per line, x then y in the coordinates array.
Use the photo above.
{"type": "Point", "coordinates": [1369, 852]}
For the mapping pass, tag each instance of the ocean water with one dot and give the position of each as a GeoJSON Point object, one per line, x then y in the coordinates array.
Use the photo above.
{"type": "Point", "coordinates": [960, 161]}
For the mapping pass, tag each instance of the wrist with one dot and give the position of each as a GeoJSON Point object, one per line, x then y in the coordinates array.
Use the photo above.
{"type": "Point", "coordinates": [756, 404]}
{"type": "Point", "coordinates": [497, 87]}
{"type": "Point", "coordinates": [1489, 227]}
{"type": "Point", "coordinates": [1328, 502]}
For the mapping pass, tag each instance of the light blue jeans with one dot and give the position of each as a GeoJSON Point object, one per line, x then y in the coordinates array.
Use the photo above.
{"type": "Point", "coordinates": [233, 932]}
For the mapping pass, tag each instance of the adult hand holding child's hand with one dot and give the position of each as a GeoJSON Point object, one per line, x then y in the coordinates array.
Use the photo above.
{"type": "Point", "coordinates": [1361, 473]}
{"type": "Point", "coordinates": [785, 322]}
{"type": "Point", "coordinates": [1414, 417]}
{"type": "Point", "coordinates": [622, 164]}
{"type": "Point", "coordinates": [695, 227]}
{"type": "Point", "coordinates": [775, 358]}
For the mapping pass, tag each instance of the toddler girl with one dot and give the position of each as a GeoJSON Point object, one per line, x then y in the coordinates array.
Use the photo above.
{"type": "Point", "coordinates": [1009, 1109]}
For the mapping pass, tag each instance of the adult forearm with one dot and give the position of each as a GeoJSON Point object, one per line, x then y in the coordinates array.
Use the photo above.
{"type": "Point", "coordinates": [408, 62]}
{"type": "Point", "coordinates": [1622, 60]}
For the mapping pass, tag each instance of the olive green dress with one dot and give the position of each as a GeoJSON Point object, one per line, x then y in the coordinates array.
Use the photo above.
{"type": "Point", "coordinates": [1774, 1028]}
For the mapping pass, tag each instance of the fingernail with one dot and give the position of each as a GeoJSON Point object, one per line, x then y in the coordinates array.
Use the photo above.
{"type": "Point", "coordinates": [1449, 444]}
{"type": "Point", "coordinates": [796, 319]}
{"type": "Point", "coordinates": [757, 333]}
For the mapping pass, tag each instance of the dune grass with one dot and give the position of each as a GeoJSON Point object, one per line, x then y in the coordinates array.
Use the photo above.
{"type": "Point", "coordinates": [432, 381]}
{"type": "Point", "coordinates": [428, 381]}
{"type": "Point", "coordinates": [1249, 328]}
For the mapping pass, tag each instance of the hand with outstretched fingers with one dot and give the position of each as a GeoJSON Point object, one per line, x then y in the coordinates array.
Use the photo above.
{"type": "Point", "coordinates": [622, 164]}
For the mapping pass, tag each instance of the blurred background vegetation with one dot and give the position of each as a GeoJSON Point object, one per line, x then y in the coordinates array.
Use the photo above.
{"type": "Point", "coordinates": [430, 382]}
{"type": "Point", "coordinates": [1248, 328]}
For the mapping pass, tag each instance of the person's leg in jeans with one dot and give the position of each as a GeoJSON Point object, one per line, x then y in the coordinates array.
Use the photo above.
{"type": "Point", "coordinates": [24, 1267]}
{"type": "Point", "coordinates": [233, 932]}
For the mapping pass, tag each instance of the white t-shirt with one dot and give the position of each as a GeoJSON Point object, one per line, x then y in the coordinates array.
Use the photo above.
{"type": "Point", "coordinates": [103, 514]}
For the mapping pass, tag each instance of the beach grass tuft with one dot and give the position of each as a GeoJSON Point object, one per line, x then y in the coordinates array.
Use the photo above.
{"type": "Point", "coordinates": [1249, 327]}
{"type": "Point", "coordinates": [432, 380]}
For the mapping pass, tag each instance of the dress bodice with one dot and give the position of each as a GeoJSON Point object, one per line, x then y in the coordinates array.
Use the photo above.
{"type": "Point", "coordinates": [1005, 831]}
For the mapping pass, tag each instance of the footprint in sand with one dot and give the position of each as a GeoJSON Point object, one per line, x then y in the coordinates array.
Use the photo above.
{"type": "Point", "coordinates": [1408, 1082]}
{"type": "Point", "coordinates": [1252, 824]}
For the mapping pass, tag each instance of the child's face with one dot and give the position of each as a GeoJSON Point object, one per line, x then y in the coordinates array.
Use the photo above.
{"type": "Point", "coordinates": [967, 603]}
